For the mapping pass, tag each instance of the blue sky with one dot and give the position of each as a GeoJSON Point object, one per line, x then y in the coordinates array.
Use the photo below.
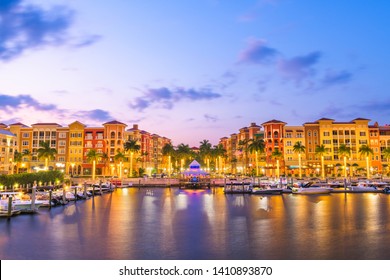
{"type": "Point", "coordinates": [193, 70]}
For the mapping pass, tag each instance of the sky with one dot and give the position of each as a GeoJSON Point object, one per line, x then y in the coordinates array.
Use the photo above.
{"type": "Point", "coordinates": [196, 69]}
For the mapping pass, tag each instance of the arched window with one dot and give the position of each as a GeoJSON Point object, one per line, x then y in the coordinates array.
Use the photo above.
{"type": "Point", "coordinates": [119, 135]}
{"type": "Point", "coordinates": [276, 134]}
{"type": "Point", "coordinates": [112, 134]}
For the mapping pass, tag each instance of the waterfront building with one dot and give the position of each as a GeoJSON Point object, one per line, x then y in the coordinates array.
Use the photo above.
{"type": "Point", "coordinates": [75, 156]}
{"type": "Point", "coordinates": [273, 140]}
{"type": "Point", "coordinates": [73, 142]}
{"type": "Point", "coordinates": [384, 138]}
{"type": "Point", "coordinates": [94, 140]}
{"type": "Point", "coordinates": [239, 160]}
{"type": "Point", "coordinates": [293, 135]}
{"type": "Point", "coordinates": [7, 150]}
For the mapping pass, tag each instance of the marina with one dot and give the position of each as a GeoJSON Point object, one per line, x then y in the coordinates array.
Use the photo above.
{"type": "Point", "coordinates": [174, 223]}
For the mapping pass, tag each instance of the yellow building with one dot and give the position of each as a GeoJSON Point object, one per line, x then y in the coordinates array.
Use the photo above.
{"type": "Point", "coordinates": [292, 135]}
{"type": "Point", "coordinates": [7, 150]}
{"type": "Point", "coordinates": [332, 135]}
{"type": "Point", "coordinates": [74, 162]}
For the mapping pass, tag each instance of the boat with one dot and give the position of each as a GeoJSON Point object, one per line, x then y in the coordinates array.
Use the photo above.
{"type": "Point", "coordinates": [257, 190]}
{"type": "Point", "coordinates": [195, 183]}
{"type": "Point", "coordinates": [309, 188]}
{"type": "Point", "coordinates": [238, 186]}
{"type": "Point", "coordinates": [386, 190]}
{"type": "Point", "coordinates": [21, 202]}
{"type": "Point", "coordinates": [363, 187]}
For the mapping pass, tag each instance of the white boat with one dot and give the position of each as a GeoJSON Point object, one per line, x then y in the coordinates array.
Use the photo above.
{"type": "Point", "coordinates": [238, 186]}
{"type": "Point", "coordinates": [311, 190]}
{"type": "Point", "coordinates": [308, 188]}
{"type": "Point", "coordinates": [363, 187]}
{"type": "Point", "coordinates": [20, 202]}
{"type": "Point", "coordinates": [258, 190]}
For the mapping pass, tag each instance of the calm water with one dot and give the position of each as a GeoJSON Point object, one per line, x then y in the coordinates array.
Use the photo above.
{"type": "Point", "coordinates": [204, 224]}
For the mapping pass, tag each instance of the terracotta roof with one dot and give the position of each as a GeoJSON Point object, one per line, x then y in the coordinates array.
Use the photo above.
{"type": "Point", "coordinates": [325, 119]}
{"type": "Point", "coordinates": [115, 122]}
{"type": "Point", "coordinates": [19, 123]}
{"type": "Point", "coordinates": [273, 121]}
{"type": "Point", "coordinates": [46, 124]}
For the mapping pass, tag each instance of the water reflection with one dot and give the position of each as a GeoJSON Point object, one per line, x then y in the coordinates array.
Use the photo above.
{"type": "Point", "coordinates": [203, 224]}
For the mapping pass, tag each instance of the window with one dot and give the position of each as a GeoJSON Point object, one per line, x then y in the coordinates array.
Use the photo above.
{"type": "Point", "coordinates": [315, 133]}
{"type": "Point", "coordinates": [26, 135]}
{"type": "Point", "coordinates": [25, 143]}
{"type": "Point", "coordinates": [309, 133]}
{"type": "Point", "coordinates": [334, 132]}
{"type": "Point", "coordinates": [112, 134]}
{"type": "Point", "coordinates": [62, 135]}
{"type": "Point", "coordinates": [299, 134]}
{"type": "Point", "coordinates": [362, 133]}
{"type": "Point", "coordinates": [326, 142]}
{"type": "Point", "coordinates": [288, 135]}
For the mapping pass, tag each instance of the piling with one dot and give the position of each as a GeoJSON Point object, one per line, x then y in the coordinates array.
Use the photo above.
{"type": "Point", "coordinates": [34, 189]}
{"type": "Point", "coordinates": [75, 193]}
{"type": "Point", "coordinates": [93, 189]}
{"type": "Point", "coordinates": [9, 206]}
{"type": "Point", "coordinates": [345, 184]}
{"type": "Point", "coordinates": [85, 189]}
{"type": "Point", "coordinates": [50, 197]}
{"type": "Point", "coordinates": [63, 195]}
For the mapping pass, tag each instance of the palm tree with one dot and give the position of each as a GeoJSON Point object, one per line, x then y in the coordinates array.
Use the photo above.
{"type": "Point", "coordinates": [105, 158]}
{"type": "Point", "coordinates": [205, 152]}
{"type": "Point", "coordinates": [183, 152]}
{"type": "Point", "coordinates": [277, 155]}
{"type": "Point", "coordinates": [345, 151]}
{"type": "Point", "coordinates": [93, 156]}
{"type": "Point", "coordinates": [366, 151]}
{"type": "Point", "coordinates": [46, 152]}
{"type": "Point", "coordinates": [169, 151]}
{"type": "Point", "coordinates": [217, 153]}
{"type": "Point", "coordinates": [386, 154]}
{"type": "Point", "coordinates": [120, 157]}
{"type": "Point", "coordinates": [321, 151]}
{"type": "Point", "coordinates": [257, 146]}
{"type": "Point", "coordinates": [18, 157]}
{"type": "Point", "coordinates": [27, 153]}
{"type": "Point", "coordinates": [299, 149]}
{"type": "Point", "coordinates": [243, 147]}
{"type": "Point", "coordinates": [132, 147]}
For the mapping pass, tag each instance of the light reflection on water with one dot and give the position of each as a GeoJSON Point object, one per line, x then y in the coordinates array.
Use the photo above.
{"type": "Point", "coordinates": [203, 224]}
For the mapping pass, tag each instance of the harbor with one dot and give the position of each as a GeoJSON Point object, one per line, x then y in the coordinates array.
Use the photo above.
{"type": "Point", "coordinates": [172, 223]}
{"type": "Point", "coordinates": [30, 200]}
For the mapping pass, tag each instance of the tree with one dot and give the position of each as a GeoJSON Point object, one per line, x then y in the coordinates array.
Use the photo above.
{"type": "Point", "coordinates": [205, 152]}
{"type": "Point", "coordinates": [277, 155]}
{"type": "Point", "coordinates": [257, 146]}
{"type": "Point", "coordinates": [366, 151]}
{"type": "Point", "coordinates": [218, 152]}
{"type": "Point", "coordinates": [120, 157]}
{"type": "Point", "coordinates": [299, 149]}
{"type": "Point", "coordinates": [183, 152]}
{"type": "Point", "coordinates": [46, 152]}
{"type": "Point", "coordinates": [93, 156]}
{"type": "Point", "coordinates": [243, 147]}
{"type": "Point", "coordinates": [169, 151]}
{"type": "Point", "coordinates": [345, 151]}
{"type": "Point", "coordinates": [321, 151]}
{"type": "Point", "coordinates": [386, 154]}
{"type": "Point", "coordinates": [132, 147]}
{"type": "Point", "coordinates": [18, 157]}
{"type": "Point", "coordinates": [105, 158]}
